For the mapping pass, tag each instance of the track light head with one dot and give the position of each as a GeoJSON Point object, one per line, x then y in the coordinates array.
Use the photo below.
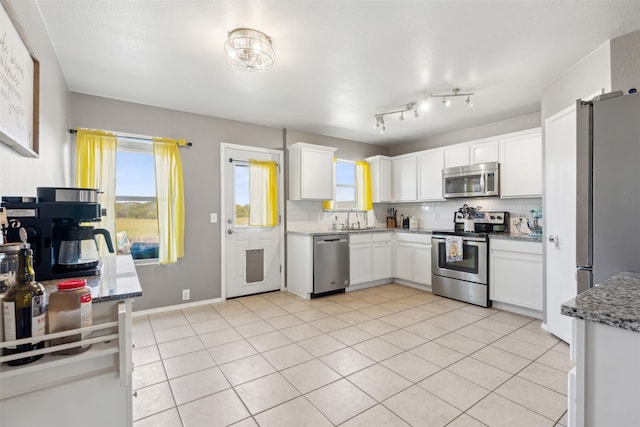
{"type": "Point", "coordinates": [469, 101]}
{"type": "Point", "coordinates": [401, 118]}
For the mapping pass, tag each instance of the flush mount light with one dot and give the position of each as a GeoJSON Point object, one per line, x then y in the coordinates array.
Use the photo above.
{"type": "Point", "coordinates": [248, 49]}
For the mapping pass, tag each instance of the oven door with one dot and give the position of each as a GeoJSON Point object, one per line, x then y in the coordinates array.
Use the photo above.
{"type": "Point", "coordinates": [474, 264]}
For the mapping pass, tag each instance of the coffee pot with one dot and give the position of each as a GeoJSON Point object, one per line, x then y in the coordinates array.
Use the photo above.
{"type": "Point", "coordinates": [79, 248]}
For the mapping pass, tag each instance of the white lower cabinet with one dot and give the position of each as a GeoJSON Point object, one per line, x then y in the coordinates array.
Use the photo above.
{"type": "Point", "coordinates": [369, 257]}
{"type": "Point", "coordinates": [381, 256]}
{"type": "Point", "coordinates": [413, 257]}
{"type": "Point", "coordinates": [515, 273]}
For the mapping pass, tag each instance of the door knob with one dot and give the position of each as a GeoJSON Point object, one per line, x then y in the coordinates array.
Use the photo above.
{"type": "Point", "coordinates": [553, 238]}
{"type": "Point", "coordinates": [229, 231]}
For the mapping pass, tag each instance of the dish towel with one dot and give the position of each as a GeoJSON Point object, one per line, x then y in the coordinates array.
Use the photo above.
{"type": "Point", "coordinates": [454, 248]}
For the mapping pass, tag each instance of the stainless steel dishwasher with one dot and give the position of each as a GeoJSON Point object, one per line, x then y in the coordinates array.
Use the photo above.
{"type": "Point", "coordinates": [330, 263]}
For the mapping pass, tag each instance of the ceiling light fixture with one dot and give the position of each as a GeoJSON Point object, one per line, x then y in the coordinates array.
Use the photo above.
{"type": "Point", "coordinates": [249, 49]}
{"type": "Point", "coordinates": [414, 107]}
{"type": "Point", "coordinates": [446, 97]}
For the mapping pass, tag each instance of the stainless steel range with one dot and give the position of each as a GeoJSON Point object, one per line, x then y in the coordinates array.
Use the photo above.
{"type": "Point", "coordinates": [465, 277]}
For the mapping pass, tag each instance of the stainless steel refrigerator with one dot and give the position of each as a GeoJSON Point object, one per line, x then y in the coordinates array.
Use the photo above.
{"type": "Point", "coordinates": [608, 188]}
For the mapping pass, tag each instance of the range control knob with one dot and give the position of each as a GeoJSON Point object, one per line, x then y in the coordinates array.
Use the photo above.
{"type": "Point", "coordinates": [493, 217]}
{"type": "Point", "coordinates": [499, 217]}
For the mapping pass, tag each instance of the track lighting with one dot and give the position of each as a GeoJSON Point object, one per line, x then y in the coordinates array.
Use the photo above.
{"type": "Point", "coordinates": [381, 124]}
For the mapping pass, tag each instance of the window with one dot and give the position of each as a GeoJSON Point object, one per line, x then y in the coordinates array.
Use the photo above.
{"type": "Point", "coordinates": [136, 209]}
{"type": "Point", "coordinates": [345, 197]}
{"type": "Point", "coordinates": [241, 193]}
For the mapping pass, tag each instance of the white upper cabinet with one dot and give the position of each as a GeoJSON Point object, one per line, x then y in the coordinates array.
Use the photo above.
{"type": "Point", "coordinates": [483, 152]}
{"type": "Point", "coordinates": [311, 175]}
{"type": "Point", "coordinates": [404, 178]}
{"type": "Point", "coordinates": [471, 153]}
{"type": "Point", "coordinates": [521, 164]}
{"type": "Point", "coordinates": [430, 165]}
{"type": "Point", "coordinates": [457, 155]}
{"type": "Point", "coordinates": [380, 169]}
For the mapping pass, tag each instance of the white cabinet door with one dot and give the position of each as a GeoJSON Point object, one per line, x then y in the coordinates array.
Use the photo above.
{"type": "Point", "coordinates": [458, 155]}
{"type": "Point", "coordinates": [404, 178]}
{"type": "Point", "coordinates": [430, 165]}
{"type": "Point", "coordinates": [483, 152]}
{"type": "Point", "coordinates": [360, 263]}
{"type": "Point", "coordinates": [380, 169]}
{"type": "Point", "coordinates": [516, 273]}
{"type": "Point", "coordinates": [422, 264]}
{"type": "Point", "coordinates": [311, 175]}
{"type": "Point", "coordinates": [381, 260]}
{"type": "Point", "coordinates": [521, 165]}
{"type": "Point", "coordinates": [404, 260]}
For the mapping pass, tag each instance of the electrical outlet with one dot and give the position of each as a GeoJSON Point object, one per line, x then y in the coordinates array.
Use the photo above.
{"type": "Point", "coordinates": [186, 294]}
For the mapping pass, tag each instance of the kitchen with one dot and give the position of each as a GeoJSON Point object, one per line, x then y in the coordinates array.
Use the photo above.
{"type": "Point", "coordinates": [62, 109]}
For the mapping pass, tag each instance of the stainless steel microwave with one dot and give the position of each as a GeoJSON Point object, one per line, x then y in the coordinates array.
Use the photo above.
{"type": "Point", "coordinates": [481, 180]}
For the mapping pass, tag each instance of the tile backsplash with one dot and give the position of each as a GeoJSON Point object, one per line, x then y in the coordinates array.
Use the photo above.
{"type": "Point", "coordinates": [311, 216]}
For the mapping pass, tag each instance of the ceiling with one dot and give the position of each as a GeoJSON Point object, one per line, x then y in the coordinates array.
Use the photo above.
{"type": "Point", "coordinates": [338, 62]}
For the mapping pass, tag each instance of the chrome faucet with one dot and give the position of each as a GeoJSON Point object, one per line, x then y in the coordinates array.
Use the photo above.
{"type": "Point", "coordinates": [347, 222]}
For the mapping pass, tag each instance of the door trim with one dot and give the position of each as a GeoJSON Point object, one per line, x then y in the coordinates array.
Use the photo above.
{"type": "Point", "coordinates": [223, 192]}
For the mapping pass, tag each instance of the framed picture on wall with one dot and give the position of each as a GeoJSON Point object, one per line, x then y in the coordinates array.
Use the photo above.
{"type": "Point", "coordinates": [19, 87]}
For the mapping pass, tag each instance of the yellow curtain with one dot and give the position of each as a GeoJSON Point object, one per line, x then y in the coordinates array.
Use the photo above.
{"type": "Point", "coordinates": [263, 193]}
{"type": "Point", "coordinates": [363, 186]}
{"type": "Point", "coordinates": [170, 199]}
{"type": "Point", "coordinates": [96, 168]}
{"type": "Point", "coordinates": [328, 205]}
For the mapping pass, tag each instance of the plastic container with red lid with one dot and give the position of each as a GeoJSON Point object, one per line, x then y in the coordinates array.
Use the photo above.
{"type": "Point", "coordinates": [70, 307]}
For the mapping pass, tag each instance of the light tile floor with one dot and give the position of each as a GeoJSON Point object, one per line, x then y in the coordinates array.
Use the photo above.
{"type": "Point", "coordinates": [385, 356]}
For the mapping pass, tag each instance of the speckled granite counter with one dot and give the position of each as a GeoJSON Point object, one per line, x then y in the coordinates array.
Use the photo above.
{"type": "Point", "coordinates": [616, 302]}
{"type": "Point", "coordinates": [118, 280]}
{"type": "Point", "coordinates": [507, 236]}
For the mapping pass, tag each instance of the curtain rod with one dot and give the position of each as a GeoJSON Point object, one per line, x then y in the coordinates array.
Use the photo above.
{"type": "Point", "coordinates": [188, 144]}
{"type": "Point", "coordinates": [246, 162]}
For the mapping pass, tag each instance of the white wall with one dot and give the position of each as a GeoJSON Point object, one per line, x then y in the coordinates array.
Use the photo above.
{"type": "Point", "coordinates": [21, 175]}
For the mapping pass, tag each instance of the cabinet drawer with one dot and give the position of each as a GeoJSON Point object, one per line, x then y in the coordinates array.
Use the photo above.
{"type": "Point", "coordinates": [381, 237]}
{"type": "Point", "coordinates": [516, 246]}
{"type": "Point", "coordinates": [413, 238]}
{"type": "Point", "coordinates": [355, 238]}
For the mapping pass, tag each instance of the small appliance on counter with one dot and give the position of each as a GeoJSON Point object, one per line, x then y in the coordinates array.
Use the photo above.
{"type": "Point", "coordinates": [534, 223]}
{"type": "Point", "coordinates": [62, 244]}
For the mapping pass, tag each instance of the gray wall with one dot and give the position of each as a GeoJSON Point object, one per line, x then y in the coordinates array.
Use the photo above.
{"type": "Point", "coordinates": [21, 175]}
{"type": "Point", "coordinates": [347, 150]}
{"type": "Point", "coordinates": [478, 132]}
{"type": "Point", "coordinates": [199, 270]}
{"type": "Point", "coordinates": [625, 62]}
{"type": "Point", "coordinates": [590, 75]}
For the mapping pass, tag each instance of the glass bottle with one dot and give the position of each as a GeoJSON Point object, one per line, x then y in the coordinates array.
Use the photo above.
{"type": "Point", "coordinates": [23, 310]}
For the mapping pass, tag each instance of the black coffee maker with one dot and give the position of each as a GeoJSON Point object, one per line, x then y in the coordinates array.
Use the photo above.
{"type": "Point", "coordinates": [55, 221]}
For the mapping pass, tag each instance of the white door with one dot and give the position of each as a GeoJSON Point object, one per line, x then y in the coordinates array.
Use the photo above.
{"type": "Point", "coordinates": [252, 254]}
{"type": "Point", "coordinates": [560, 217]}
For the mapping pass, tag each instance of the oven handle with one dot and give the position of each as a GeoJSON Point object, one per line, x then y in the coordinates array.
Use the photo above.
{"type": "Point", "coordinates": [464, 238]}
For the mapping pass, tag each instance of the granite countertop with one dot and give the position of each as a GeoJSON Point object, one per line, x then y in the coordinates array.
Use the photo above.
{"type": "Point", "coordinates": [118, 280]}
{"type": "Point", "coordinates": [615, 302]}
{"type": "Point", "coordinates": [508, 236]}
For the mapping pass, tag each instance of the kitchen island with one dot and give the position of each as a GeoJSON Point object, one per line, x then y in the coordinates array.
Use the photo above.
{"type": "Point", "coordinates": [92, 388]}
{"type": "Point", "coordinates": [605, 384]}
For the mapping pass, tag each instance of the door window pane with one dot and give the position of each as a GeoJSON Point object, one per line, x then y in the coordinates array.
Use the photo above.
{"type": "Point", "coordinates": [241, 194]}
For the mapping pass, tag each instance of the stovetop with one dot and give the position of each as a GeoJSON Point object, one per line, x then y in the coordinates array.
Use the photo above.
{"type": "Point", "coordinates": [461, 233]}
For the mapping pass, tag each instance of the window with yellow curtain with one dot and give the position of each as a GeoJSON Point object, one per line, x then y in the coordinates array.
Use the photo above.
{"type": "Point", "coordinates": [352, 186]}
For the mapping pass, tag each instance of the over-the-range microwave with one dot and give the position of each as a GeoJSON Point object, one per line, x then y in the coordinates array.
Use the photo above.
{"type": "Point", "coordinates": [481, 180]}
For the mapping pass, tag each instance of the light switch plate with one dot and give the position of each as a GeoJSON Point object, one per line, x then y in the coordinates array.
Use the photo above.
{"type": "Point", "coordinates": [214, 218]}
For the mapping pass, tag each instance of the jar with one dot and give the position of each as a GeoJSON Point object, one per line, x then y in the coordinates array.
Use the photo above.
{"type": "Point", "coordinates": [70, 308]}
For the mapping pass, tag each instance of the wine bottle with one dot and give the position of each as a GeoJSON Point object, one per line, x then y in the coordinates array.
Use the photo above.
{"type": "Point", "coordinates": [23, 309]}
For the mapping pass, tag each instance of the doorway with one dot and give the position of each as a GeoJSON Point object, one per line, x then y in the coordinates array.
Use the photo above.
{"type": "Point", "coordinates": [252, 206]}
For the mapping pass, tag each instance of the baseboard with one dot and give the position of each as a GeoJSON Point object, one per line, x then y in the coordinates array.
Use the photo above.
{"type": "Point", "coordinates": [413, 284]}
{"type": "Point", "coordinates": [517, 309]}
{"type": "Point", "coordinates": [366, 285]}
{"type": "Point", "coordinates": [175, 307]}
